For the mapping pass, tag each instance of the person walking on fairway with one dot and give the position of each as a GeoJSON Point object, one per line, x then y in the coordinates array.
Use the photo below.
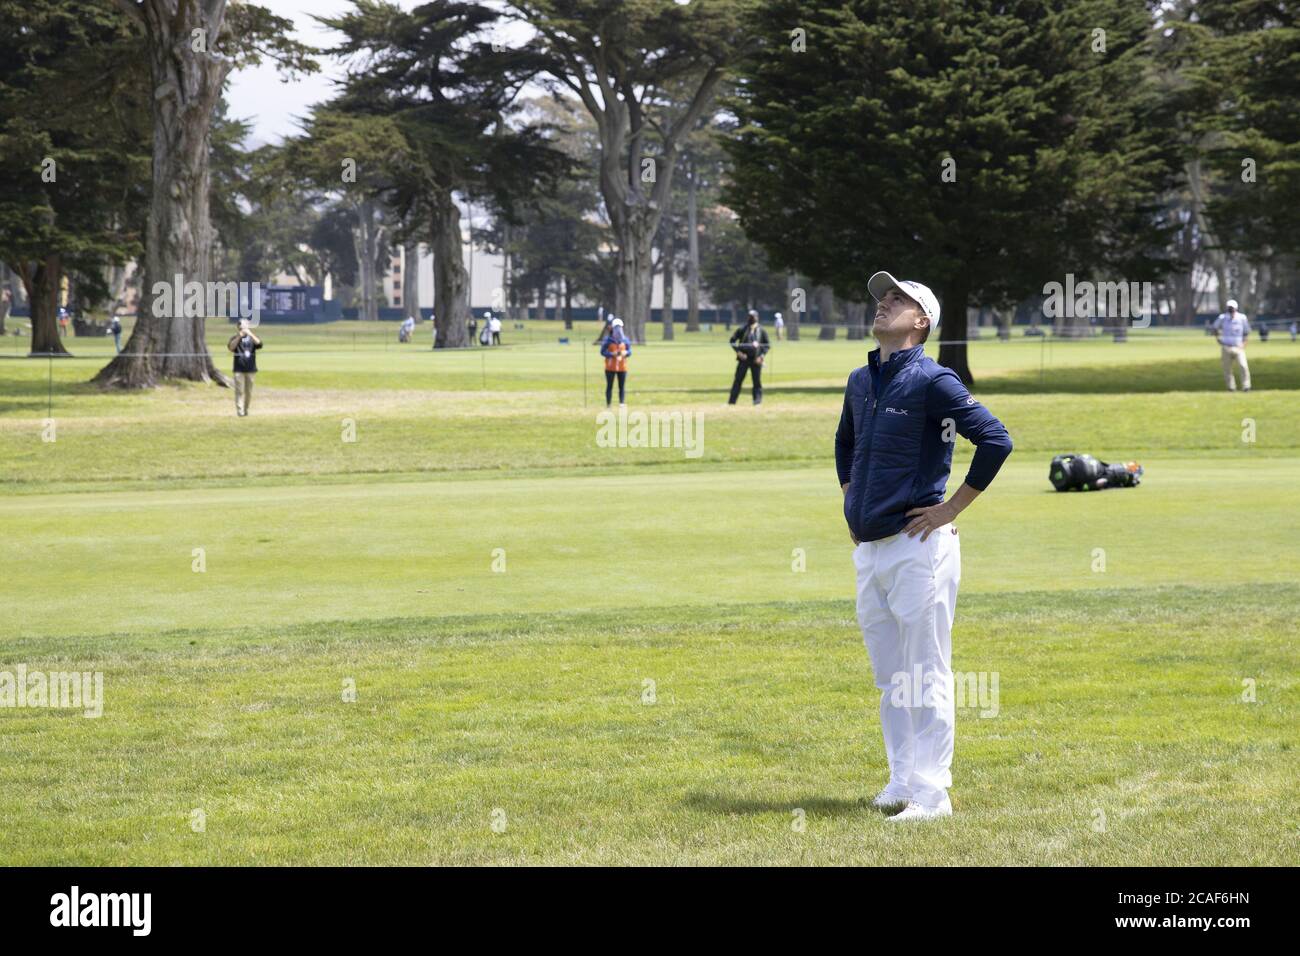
{"type": "Point", "coordinates": [244, 344]}
{"type": "Point", "coordinates": [893, 455]}
{"type": "Point", "coordinates": [751, 344]}
{"type": "Point", "coordinates": [778, 326]}
{"type": "Point", "coordinates": [616, 347]}
{"type": "Point", "coordinates": [115, 330]}
{"type": "Point", "coordinates": [1231, 329]}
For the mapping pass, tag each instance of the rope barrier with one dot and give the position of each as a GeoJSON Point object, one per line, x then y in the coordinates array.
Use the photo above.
{"type": "Point", "coordinates": [1040, 340]}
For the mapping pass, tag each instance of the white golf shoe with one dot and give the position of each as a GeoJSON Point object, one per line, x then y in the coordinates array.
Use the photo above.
{"type": "Point", "coordinates": [915, 812]}
{"type": "Point", "coordinates": [889, 800]}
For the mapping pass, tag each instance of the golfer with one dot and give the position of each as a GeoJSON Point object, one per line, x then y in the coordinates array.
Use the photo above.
{"type": "Point", "coordinates": [893, 453]}
{"type": "Point", "coordinates": [244, 344]}
{"type": "Point", "coordinates": [1231, 329]}
{"type": "Point", "coordinates": [751, 344]}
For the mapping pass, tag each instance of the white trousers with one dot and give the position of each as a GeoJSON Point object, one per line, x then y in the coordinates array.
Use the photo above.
{"type": "Point", "coordinates": [907, 596]}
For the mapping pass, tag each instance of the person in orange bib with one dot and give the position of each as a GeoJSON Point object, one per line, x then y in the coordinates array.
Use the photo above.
{"type": "Point", "coordinates": [616, 347]}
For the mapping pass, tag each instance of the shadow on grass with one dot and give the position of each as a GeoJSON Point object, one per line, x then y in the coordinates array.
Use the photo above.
{"type": "Point", "coordinates": [40, 387]}
{"type": "Point", "coordinates": [820, 806]}
{"type": "Point", "coordinates": [1268, 371]}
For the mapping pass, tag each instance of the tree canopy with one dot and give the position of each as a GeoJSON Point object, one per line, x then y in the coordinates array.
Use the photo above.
{"type": "Point", "coordinates": [978, 146]}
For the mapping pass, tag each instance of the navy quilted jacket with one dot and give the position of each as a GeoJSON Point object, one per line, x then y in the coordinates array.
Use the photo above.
{"type": "Point", "coordinates": [894, 444]}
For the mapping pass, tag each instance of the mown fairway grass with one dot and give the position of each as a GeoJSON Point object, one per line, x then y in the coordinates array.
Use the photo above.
{"type": "Point", "coordinates": [650, 680]}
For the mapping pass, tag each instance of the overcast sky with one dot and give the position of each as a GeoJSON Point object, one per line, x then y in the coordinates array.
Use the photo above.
{"type": "Point", "coordinates": [258, 95]}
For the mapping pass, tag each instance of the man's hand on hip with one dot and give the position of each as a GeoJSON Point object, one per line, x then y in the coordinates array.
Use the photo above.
{"type": "Point", "coordinates": [927, 520]}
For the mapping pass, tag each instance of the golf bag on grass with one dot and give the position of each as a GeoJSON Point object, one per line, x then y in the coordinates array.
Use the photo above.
{"type": "Point", "coordinates": [1085, 473]}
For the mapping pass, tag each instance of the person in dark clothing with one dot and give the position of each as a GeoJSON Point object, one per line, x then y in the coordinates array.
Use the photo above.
{"type": "Point", "coordinates": [750, 343]}
{"type": "Point", "coordinates": [244, 344]}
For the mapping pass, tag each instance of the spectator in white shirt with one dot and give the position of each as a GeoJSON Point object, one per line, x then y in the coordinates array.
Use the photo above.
{"type": "Point", "coordinates": [1231, 329]}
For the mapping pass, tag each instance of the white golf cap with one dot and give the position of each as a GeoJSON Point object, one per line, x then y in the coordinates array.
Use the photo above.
{"type": "Point", "coordinates": [1232, 304]}
{"type": "Point", "coordinates": [616, 321]}
{"type": "Point", "coordinates": [880, 283]}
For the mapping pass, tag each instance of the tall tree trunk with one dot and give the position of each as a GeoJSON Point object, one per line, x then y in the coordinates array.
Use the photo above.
{"type": "Point", "coordinates": [568, 304]}
{"type": "Point", "coordinates": [1255, 293]}
{"type": "Point", "coordinates": [1004, 317]}
{"type": "Point", "coordinates": [667, 256]}
{"type": "Point", "coordinates": [655, 265]}
{"type": "Point", "coordinates": [42, 280]}
{"type": "Point", "coordinates": [693, 254]}
{"type": "Point", "coordinates": [855, 314]}
{"type": "Point", "coordinates": [187, 86]}
{"type": "Point", "coordinates": [17, 290]}
{"type": "Point", "coordinates": [369, 241]}
{"type": "Point", "coordinates": [365, 271]}
{"type": "Point", "coordinates": [6, 298]}
{"type": "Point", "coordinates": [115, 278]}
{"type": "Point", "coordinates": [952, 329]}
{"type": "Point", "coordinates": [1221, 280]}
{"type": "Point", "coordinates": [633, 281]}
{"type": "Point", "coordinates": [791, 314]}
{"type": "Point", "coordinates": [507, 281]}
{"type": "Point", "coordinates": [1184, 295]}
{"type": "Point", "coordinates": [826, 305]}
{"type": "Point", "coordinates": [451, 281]}
{"type": "Point", "coordinates": [411, 280]}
